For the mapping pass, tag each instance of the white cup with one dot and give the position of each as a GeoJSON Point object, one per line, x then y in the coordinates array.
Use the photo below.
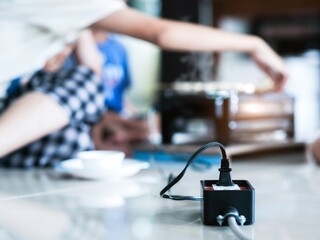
{"type": "Point", "coordinates": [98, 159]}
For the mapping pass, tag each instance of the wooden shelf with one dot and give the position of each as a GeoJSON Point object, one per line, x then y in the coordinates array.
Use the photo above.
{"type": "Point", "coordinates": [260, 117]}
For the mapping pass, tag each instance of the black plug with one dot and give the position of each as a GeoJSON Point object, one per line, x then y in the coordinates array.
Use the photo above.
{"type": "Point", "coordinates": [225, 177]}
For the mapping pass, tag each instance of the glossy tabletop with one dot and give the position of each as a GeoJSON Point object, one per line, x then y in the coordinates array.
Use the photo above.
{"type": "Point", "coordinates": [41, 204]}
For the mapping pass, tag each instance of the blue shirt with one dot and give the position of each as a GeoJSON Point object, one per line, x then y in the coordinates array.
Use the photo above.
{"type": "Point", "coordinates": [115, 73]}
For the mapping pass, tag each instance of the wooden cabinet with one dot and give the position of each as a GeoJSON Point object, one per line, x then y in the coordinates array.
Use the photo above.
{"type": "Point", "coordinates": [253, 8]}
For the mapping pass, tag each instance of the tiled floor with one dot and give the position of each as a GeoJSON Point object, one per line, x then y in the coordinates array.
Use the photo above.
{"type": "Point", "coordinates": [41, 205]}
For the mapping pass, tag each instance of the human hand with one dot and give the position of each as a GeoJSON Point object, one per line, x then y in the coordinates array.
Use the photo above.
{"type": "Point", "coordinates": [314, 149]}
{"type": "Point", "coordinates": [54, 63]}
{"type": "Point", "coordinates": [116, 133]}
{"type": "Point", "coordinates": [270, 63]}
{"type": "Point", "coordinates": [87, 52]}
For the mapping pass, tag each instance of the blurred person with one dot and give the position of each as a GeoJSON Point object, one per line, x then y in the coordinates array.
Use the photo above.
{"type": "Point", "coordinates": [69, 98]}
{"type": "Point", "coordinates": [39, 113]}
{"type": "Point", "coordinates": [314, 149]}
{"type": "Point", "coordinates": [116, 124]}
{"type": "Point", "coordinates": [113, 69]}
{"type": "Point", "coordinates": [118, 129]}
{"type": "Point", "coordinates": [115, 72]}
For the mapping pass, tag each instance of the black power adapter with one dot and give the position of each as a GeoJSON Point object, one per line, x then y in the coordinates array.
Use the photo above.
{"type": "Point", "coordinates": [223, 201]}
{"type": "Point", "coordinates": [217, 204]}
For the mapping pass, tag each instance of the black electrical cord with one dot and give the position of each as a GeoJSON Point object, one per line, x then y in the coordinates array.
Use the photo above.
{"type": "Point", "coordinates": [231, 214]}
{"type": "Point", "coordinates": [224, 178]}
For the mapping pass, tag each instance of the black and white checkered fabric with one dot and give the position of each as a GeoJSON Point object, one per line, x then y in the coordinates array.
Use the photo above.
{"type": "Point", "coordinates": [79, 91]}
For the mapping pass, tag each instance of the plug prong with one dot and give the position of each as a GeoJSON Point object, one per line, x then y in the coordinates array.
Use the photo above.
{"type": "Point", "coordinates": [242, 219]}
{"type": "Point", "coordinates": [220, 219]}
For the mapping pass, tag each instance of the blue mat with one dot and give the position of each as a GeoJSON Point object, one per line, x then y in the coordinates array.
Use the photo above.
{"type": "Point", "coordinates": [202, 162]}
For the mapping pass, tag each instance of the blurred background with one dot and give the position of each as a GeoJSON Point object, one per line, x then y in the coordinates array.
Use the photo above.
{"type": "Point", "coordinates": [226, 97]}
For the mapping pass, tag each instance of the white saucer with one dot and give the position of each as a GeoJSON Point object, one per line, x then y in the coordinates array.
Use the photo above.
{"type": "Point", "coordinates": [76, 168]}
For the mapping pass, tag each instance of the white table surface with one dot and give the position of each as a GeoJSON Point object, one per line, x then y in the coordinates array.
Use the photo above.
{"type": "Point", "coordinates": [39, 204]}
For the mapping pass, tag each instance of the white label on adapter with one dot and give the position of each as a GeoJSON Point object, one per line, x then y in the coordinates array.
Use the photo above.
{"type": "Point", "coordinates": [234, 187]}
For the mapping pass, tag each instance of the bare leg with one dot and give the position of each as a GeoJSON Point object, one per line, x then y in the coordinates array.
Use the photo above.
{"type": "Point", "coordinates": [31, 117]}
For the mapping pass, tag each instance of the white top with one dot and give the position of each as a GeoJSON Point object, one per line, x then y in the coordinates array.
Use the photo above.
{"type": "Point", "coordinates": [33, 30]}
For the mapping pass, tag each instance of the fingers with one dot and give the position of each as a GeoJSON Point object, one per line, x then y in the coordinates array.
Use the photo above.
{"type": "Point", "coordinates": [97, 135]}
{"type": "Point", "coordinates": [116, 131]}
{"type": "Point", "coordinates": [137, 129]}
{"type": "Point", "coordinates": [131, 131]}
{"type": "Point", "coordinates": [276, 72]}
{"type": "Point", "coordinates": [279, 78]}
{"type": "Point", "coordinates": [271, 63]}
{"type": "Point", "coordinates": [54, 63]}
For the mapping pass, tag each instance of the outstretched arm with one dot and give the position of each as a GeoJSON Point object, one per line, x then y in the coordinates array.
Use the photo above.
{"type": "Point", "coordinates": [173, 35]}
{"type": "Point", "coordinates": [87, 52]}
